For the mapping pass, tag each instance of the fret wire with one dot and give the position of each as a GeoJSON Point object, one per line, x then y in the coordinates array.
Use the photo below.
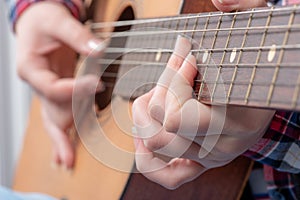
{"type": "Point", "coordinates": [242, 83]}
{"type": "Point", "coordinates": [137, 33]}
{"type": "Point", "coordinates": [133, 41]}
{"type": "Point", "coordinates": [210, 54]}
{"type": "Point", "coordinates": [98, 25]}
{"type": "Point", "coordinates": [257, 102]}
{"type": "Point", "coordinates": [250, 65]}
{"type": "Point", "coordinates": [186, 23]}
{"type": "Point", "coordinates": [213, 50]}
{"type": "Point", "coordinates": [194, 27]}
{"type": "Point", "coordinates": [280, 57]}
{"type": "Point", "coordinates": [140, 41]}
{"type": "Point", "coordinates": [113, 75]}
{"type": "Point", "coordinates": [282, 85]}
{"type": "Point", "coordinates": [145, 58]}
{"type": "Point", "coordinates": [296, 93]}
{"type": "Point", "coordinates": [163, 44]}
{"type": "Point", "coordinates": [239, 58]}
{"type": "Point", "coordinates": [202, 39]}
{"type": "Point", "coordinates": [127, 84]}
{"type": "Point", "coordinates": [198, 54]}
{"type": "Point", "coordinates": [238, 83]}
{"type": "Point", "coordinates": [149, 78]}
{"type": "Point", "coordinates": [156, 74]}
{"type": "Point", "coordinates": [223, 56]}
{"type": "Point", "coordinates": [258, 57]}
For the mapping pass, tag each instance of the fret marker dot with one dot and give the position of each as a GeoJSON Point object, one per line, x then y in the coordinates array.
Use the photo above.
{"type": "Point", "coordinates": [158, 55]}
{"type": "Point", "coordinates": [205, 56]}
{"type": "Point", "coordinates": [233, 55]}
{"type": "Point", "coordinates": [272, 53]}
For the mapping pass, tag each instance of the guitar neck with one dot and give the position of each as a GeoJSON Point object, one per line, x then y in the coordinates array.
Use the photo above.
{"type": "Point", "coordinates": [248, 58]}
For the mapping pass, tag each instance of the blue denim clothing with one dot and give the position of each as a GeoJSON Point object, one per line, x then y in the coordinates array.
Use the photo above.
{"type": "Point", "coordinates": [6, 194]}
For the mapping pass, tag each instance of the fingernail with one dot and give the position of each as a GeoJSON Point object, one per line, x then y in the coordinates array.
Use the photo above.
{"type": "Point", "coordinates": [228, 2]}
{"type": "Point", "coordinates": [96, 45]}
{"type": "Point", "coordinates": [182, 46]}
{"type": "Point", "coordinates": [191, 59]}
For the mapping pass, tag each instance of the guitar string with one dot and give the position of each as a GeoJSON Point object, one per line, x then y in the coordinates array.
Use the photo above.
{"type": "Point", "coordinates": [240, 83]}
{"type": "Point", "coordinates": [236, 83]}
{"type": "Point", "coordinates": [258, 56]}
{"type": "Point", "coordinates": [280, 58]}
{"type": "Point", "coordinates": [99, 25]}
{"type": "Point", "coordinates": [199, 65]}
{"type": "Point", "coordinates": [143, 33]}
{"type": "Point", "coordinates": [283, 104]}
{"type": "Point", "coordinates": [228, 82]}
{"type": "Point", "coordinates": [126, 50]}
{"type": "Point", "coordinates": [252, 28]}
{"type": "Point", "coordinates": [233, 98]}
{"type": "Point", "coordinates": [236, 67]}
{"type": "Point", "coordinates": [223, 58]}
{"type": "Point", "coordinates": [116, 75]}
{"type": "Point", "coordinates": [202, 86]}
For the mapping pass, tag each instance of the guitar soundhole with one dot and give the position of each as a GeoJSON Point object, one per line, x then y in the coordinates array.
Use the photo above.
{"type": "Point", "coordinates": [110, 74]}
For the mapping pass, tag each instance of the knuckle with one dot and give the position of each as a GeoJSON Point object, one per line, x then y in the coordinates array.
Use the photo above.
{"type": "Point", "coordinates": [173, 183]}
{"type": "Point", "coordinates": [171, 123]}
{"type": "Point", "coordinates": [137, 105]}
{"type": "Point", "coordinates": [227, 2]}
{"type": "Point", "coordinates": [141, 167]}
{"type": "Point", "coordinates": [153, 144]}
{"type": "Point", "coordinates": [156, 111]}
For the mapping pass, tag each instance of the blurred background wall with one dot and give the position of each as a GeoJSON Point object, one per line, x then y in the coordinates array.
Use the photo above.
{"type": "Point", "coordinates": [14, 102]}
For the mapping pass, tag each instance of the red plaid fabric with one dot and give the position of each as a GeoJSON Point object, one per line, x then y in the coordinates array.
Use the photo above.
{"type": "Point", "coordinates": [279, 151]}
{"type": "Point", "coordinates": [21, 5]}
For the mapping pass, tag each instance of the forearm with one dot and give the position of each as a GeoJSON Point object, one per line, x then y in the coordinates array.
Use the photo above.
{"type": "Point", "coordinates": [18, 7]}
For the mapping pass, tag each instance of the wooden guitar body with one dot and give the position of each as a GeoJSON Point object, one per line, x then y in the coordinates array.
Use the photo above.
{"type": "Point", "coordinates": [93, 180]}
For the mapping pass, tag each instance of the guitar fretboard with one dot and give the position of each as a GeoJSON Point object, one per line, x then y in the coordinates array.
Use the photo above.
{"type": "Point", "coordinates": [249, 58]}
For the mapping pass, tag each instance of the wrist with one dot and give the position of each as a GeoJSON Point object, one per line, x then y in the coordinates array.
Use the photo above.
{"type": "Point", "coordinates": [74, 6]}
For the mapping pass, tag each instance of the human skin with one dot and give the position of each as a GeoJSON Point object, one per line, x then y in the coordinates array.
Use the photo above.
{"type": "Point", "coordinates": [48, 41]}
{"type": "Point", "coordinates": [169, 121]}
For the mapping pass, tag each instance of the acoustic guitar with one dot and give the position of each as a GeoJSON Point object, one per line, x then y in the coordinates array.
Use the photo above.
{"type": "Point", "coordinates": [245, 58]}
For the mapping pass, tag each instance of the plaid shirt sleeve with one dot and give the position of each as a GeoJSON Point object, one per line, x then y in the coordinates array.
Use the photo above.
{"type": "Point", "coordinates": [21, 5]}
{"type": "Point", "coordinates": [280, 146]}
{"type": "Point", "coordinates": [279, 150]}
